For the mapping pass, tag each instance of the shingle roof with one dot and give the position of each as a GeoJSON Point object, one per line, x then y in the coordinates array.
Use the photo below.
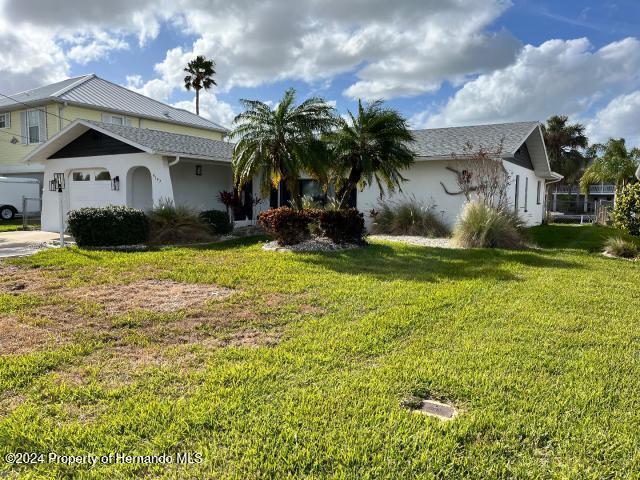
{"type": "Point", "coordinates": [168, 143]}
{"type": "Point", "coordinates": [442, 142]}
{"type": "Point", "coordinates": [97, 92]}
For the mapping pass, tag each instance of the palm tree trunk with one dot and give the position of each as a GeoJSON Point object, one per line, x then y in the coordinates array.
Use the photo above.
{"type": "Point", "coordinates": [197, 101]}
{"type": "Point", "coordinates": [352, 182]}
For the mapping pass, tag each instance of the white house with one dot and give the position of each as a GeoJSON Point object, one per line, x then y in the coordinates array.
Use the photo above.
{"type": "Point", "coordinates": [103, 164]}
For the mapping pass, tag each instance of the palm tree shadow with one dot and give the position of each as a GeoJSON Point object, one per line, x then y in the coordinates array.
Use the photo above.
{"type": "Point", "coordinates": [427, 264]}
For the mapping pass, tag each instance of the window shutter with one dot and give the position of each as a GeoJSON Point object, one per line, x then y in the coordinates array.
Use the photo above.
{"type": "Point", "coordinates": [24, 131]}
{"type": "Point", "coordinates": [42, 125]}
{"type": "Point", "coordinates": [7, 119]}
{"type": "Point", "coordinates": [127, 121]}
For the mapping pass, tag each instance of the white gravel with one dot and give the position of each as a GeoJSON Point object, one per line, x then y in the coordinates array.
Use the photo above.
{"type": "Point", "coordinates": [315, 244]}
{"type": "Point", "coordinates": [414, 240]}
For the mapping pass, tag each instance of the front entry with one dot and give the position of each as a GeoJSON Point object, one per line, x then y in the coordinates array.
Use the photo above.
{"type": "Point", "coordinates": [139, 189]}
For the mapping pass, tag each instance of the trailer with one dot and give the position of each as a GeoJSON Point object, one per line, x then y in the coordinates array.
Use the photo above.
{"type": "Point", "coordinates": [13, 191]}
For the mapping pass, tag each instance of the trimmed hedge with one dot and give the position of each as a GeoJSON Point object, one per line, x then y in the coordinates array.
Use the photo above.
{"type": "Point", "coordinates": [341, 226]}
{"type": "Point", "coordinates": [286, 225]}
{"type": "Point", "coordinates": [108, 226]}
{"type": "Point", "coordinates": [218, 221]}
{"type": "Point", "coordinates": [626, 214]}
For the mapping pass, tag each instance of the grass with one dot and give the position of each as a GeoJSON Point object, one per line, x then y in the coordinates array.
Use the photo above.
{"type": "Point", "coordinates": [590, 238]}
{"type": "Point", "coordinates": [538, 348]}
{"type": "Point", "coordinates": [14, 225]}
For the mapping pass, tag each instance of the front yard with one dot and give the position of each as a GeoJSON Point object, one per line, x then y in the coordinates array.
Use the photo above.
{"type": "Point", "coordinates": [280, 364]}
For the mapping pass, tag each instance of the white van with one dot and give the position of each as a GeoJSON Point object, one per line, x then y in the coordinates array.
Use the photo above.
{"type": "Point", "coordinates": [12, 189]}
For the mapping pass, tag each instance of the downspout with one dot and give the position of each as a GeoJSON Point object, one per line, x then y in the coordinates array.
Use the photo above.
{"type": "Point", "coordinates": [174, 162]}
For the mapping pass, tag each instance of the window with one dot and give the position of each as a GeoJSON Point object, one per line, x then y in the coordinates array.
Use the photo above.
{"type": "Point", "coordinates": [116, 119]}
{"type": "Point", "coordinates": [526, 193]}
{"type": "Point", "coordinates": [538, 199]}
{"type": "Point", "coordinates": [103, 176]}
{"type": "Point", "coordinates": [81, 176]}
{"type": "Point", "coordinates": [515, 201]}
{"type": "Point", "coordinates": [5, 120]}
{"type": "Point", "coordinates": [33, 126]}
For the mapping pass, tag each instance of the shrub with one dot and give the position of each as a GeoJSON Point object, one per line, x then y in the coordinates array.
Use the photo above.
{"type": "Point", "coordinates": [341, 226]}
{"type": "Point", "coordinates": [619, 247]}
{"type": "Point", "coordinates": [481, 226]}
{"type": "Point", "coordinates": [286, 225]}
{"type": "Point", "coordinates": [408, 217]}
{"type": "Point", "coordinates": [218, 221]}
{"type": "Point", "coordinates": [626, 214]}
{"type": "Point", "coordinates": [171, 224]}
{"type": "Point", "coordinates": [108, 226]}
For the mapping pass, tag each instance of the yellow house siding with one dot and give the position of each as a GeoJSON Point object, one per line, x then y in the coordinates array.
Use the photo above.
{"type": "Point", "coordinates": [11, 155]}
{"type": "Point", "coordinates": [181, 129]}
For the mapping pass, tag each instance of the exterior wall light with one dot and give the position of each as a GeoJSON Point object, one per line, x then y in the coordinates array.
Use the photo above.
{"type": "Point", "coordinates": [115, 183]}
{"type": "Point", "coordinates": [57, 184]}
{"type": "Point", "coordinates": [199, 170]}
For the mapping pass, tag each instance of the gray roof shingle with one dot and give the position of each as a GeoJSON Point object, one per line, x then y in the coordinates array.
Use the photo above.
{"type": "Point", "coordinates": [169, 143]}
{"type": "Point", "coordinates": [97, 92]}
{"type": "Point", "coordinates": [442, 142]}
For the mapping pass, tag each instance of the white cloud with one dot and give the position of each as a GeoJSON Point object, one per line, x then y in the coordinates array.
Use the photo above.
{"type": "Point", "coordinates": [211, 108]}
{"type": "Point", "coordinates": [620, 118]}
{"type": "Point", "coordinates": [564, 77]}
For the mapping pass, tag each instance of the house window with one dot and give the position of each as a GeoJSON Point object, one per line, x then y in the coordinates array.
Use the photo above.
{"type": "Point", "coordinates": [34, 126]}
{"type": "Point", "coordinates": [81, 176]}
{"type": "Point", "coordinates": [116, 119]}
{"type": "Point", "coordinates": [539, 192]}
{"type": "Point", "coordinates": [515, 201]}
{"type": "Point", "coordinates": [103, 176]}
{"type": "Point", "coordinates": [5, 120]}
{"type": "Point", "coordinates": [526, 193]}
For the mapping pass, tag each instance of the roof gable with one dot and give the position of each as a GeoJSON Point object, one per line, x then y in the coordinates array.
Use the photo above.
{"type": "Point", "coordinates": [155, 142]}
{"type": "Point", "coordinates": [92, 144]}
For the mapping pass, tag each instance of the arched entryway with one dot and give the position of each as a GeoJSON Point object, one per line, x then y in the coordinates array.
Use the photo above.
{"type": "Point", "coordinates": [139, 189]}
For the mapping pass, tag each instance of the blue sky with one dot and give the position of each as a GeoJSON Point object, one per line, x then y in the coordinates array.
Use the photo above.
{"type": "Point", "coordinates": [440, 62]}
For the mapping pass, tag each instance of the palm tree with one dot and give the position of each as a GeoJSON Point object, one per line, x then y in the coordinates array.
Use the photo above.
{"type": "Point", "coordinates": [201, 72]}
{"type": "Point", "coordinates": [565, 143]}
{"type": "Point", "coordinates": [615, 164]}
{"type": "Point", "coordinates": [279, 143]}
{"type": "Point", "coordinates": [374, 145]}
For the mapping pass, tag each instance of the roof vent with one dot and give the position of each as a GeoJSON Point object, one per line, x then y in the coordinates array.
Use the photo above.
{"type": "Point", "coordinates": [167, 114]}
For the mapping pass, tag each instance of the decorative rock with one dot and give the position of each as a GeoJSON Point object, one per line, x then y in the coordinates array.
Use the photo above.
{"type": "Point", "coordinates": [315, 244]}
{"type": "Point", "coordinates": [438, 410]}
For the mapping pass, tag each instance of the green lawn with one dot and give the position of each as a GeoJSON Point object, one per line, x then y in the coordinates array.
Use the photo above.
{"type": "Point", "coordinates": [13, 225]}
{"type": "Point", "coordinates": [302, 371]}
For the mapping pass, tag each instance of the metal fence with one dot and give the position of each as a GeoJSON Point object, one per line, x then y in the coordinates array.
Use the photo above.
{"type": "Point", "coordinates": [31, 211]}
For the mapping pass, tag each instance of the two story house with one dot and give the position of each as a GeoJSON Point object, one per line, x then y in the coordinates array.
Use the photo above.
{"type": "Point", "coordinates": [30, 118]}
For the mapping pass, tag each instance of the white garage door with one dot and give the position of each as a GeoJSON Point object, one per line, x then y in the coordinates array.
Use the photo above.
{"type": "Point", "coordinates": [89, 188]}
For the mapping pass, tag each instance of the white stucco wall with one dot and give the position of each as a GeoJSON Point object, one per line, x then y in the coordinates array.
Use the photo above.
{"type": "Point", "coordinates": [423, 182]}
{"type": "Point", "coordinates": [101, 194]}
{"type": "Point", "coordinates": [200, 192]}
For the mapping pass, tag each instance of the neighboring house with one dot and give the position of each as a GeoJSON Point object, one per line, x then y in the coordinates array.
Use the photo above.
{"type": "Point", "coordinates": [569, 201]}
{"type": "Point", "coordinates": [32, 117]}
{"type": "Point", "coordinates": [103, 164]}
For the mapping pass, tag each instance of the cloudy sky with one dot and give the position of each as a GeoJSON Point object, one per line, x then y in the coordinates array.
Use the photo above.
{"type": "Point", "coordinates": [440, 62]}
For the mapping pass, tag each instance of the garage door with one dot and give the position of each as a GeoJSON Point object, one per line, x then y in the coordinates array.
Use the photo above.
{"type": "Point", "coordinates": [89, 188]}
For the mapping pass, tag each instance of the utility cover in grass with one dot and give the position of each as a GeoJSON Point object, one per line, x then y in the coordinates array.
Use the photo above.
{"type": "Point", "coordinates": [437, 409]}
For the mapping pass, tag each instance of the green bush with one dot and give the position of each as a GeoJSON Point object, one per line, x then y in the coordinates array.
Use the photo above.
{"type": "Point", "coordinates": [286, 225]}
{"type": "Point", "coordinates": [626, 214]}
{"type": "Point", "coordinates": [481, 226]}
{"type": "Point", "coordinates": [108, 226]}
{"type": "Point", "coordinates": [341, 226]}
{"type": "Point", "coordinates": [408, 217]}
{"type": "Point", "coordinates": [169, 224]}
{"type": "Point", "coordinates": [218, 221]}
{"type": "Point", "coordinates": [619, 247]}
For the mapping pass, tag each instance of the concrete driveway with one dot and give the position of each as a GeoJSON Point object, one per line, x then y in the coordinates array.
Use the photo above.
{"type": "Point", "coordinates": [18, 244]}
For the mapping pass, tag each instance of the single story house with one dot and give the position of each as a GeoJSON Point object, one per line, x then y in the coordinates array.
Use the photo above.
{"type": "Point", "coordinates": [101, 164]}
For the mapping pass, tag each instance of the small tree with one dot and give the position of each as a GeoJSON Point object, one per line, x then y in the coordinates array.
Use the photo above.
{"type": "Point", "coordinates": [481, 175]}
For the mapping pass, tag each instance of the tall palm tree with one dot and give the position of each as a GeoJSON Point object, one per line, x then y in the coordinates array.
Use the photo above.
{"type": "Point", "coordinates": [615, 164]}
{"type": "Point", "coordinates": [372, 146]}
{"type": "Point", "coordinates": [200, 75]}
{"type": "Point", "coordinates": [279, 143]}
{"type": "Point", "coordinates": [565, 145]}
